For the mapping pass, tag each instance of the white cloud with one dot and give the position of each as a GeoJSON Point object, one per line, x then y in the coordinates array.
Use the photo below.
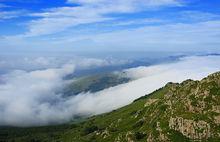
{"type": "Point", "coordinates": [10, 14]}
{"type": "Point", "coordinates": [198, 16]}
{"type": "Point", "coordinates": [90, 11]}
{"type": "Point", "coordinates": [166, 37]}
{"type": "Point", "coordinates": [27, 97]}
{"type": "Point", "coordinates": [28, 63]}
{"type": "Point", "coordinates": [128, 3]}
{"type": "Point", "coordinates": [149, 79]}
{"type": "Point", "coordinates": [32, 98]}
{"type": "Point", "coordinates": [202, 36]}
{"type": "Point", "coordinates": [138, 22]}
{"type": "Point", "coordinates": [169, 33]}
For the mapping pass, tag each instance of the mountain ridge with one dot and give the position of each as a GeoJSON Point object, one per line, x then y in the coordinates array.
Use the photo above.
{"type": "Point", "coordinates": [187, 111]}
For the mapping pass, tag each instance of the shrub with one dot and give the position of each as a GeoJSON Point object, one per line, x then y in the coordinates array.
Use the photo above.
{"type": "Point", "coordinates": [138, 123]}
{"type": "Point", "coordinates": [89, 129]}
{"type": "Point", "coordinates": [139, 135]}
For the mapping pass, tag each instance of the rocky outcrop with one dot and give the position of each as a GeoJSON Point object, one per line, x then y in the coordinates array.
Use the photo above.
{"type": "Point", "coordinates": [216, 109]}
{"type": "Point", "coordinates": [150, 138]}
{"type": "Point", "coordinates": [128, 137]}
{"type": "Point", "coordinates": [149, 102]}
{"type": "Point", "coordinates": [190, 128]}
{"type": "Point", "coordinates": [217, 119]}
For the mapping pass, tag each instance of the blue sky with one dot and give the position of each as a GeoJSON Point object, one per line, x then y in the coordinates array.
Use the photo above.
{"type": "Point", "coordinates": [104, 25]}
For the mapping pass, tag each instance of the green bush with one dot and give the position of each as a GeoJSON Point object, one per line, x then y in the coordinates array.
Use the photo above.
{"type": "Point", "coordinates": [89, 129]}
{"type": "Point", "coordinates": [138, 123]}
{"type": "Point", "coordinates": [139, 135]}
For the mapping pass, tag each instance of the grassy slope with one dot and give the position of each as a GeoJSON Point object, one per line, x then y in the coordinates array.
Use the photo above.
{"type": "Point", "coordinates": [95, 83]}
{"type": "Point", "coordinates": [138, 121]}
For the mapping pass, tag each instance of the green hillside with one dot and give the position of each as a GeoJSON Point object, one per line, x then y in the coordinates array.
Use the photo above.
{"type": "Point", "coordinates": [95, 83]}
{"type": "Point", "coordinates": [189, 111]}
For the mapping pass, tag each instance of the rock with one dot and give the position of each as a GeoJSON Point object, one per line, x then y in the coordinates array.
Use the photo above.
{"type": "Point", "coordinates": [217, 119]}
{"type": "Point", "coordinates": [129, 137]}
{"type": "Point", "coordinates": [216, 109]}
{"type": "Point", "coordinates": [190, 128]}
{"type": "Point", "coordinates": [149, 102]}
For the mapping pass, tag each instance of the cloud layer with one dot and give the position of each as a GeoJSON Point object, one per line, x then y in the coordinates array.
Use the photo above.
{"type": "Point", "coordinates": [147, 80]}
{"type": "Point", "coordinates": [33, 98]}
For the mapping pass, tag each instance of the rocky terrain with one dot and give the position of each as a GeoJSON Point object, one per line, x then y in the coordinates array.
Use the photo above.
{"type": "Point", "coordinates": [187, 111]}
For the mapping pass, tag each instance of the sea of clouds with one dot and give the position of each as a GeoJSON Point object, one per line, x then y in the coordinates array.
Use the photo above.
{"type": "Point", "coordinates": [33, 98]}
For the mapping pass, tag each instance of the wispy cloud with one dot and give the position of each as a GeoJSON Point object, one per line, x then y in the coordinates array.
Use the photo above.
{"type": "Point", "coordinates": [194, 16]}
{"type": "Point", "coordinates": [124, 4]}
{"type": "Point", "coordinates": [107, 25]}
{"type": "Point", "coordinates": [167, 36]}
{"type": "Point", "coordinates": [92, 11]}
{"type": "Point", "coordinates": [11, 14]}
{"type": "Point", "coordinates": [3, 5]}
{"type": "Point", "coordinates": [170, 36]}
{"type": "Point", "coordinates": [143, 21]}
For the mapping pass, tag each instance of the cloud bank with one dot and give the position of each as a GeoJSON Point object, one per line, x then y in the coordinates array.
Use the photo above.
{"type": "Point", "coordinates": [33, 98]}
{"type": "Point", "coordinates": [147, 80]}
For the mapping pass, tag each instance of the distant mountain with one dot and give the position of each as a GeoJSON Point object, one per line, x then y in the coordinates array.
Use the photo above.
{"type": "Point", "coordinates": [95, 83]}
{"type": "Point", "coordinates": [189, 111]}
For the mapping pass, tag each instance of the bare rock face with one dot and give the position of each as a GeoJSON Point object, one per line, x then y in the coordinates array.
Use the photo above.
{"type": "Point", "coordinates": [149, 102]}
{"type": "Point", "coordinates": [150, 138]}
{"type": "Point", "coordinates": [105, 134]}
{"type": "Point", "coordinates": [216, 109]}
{"type": "Point", "coordinates": [217, 119]}
{"type": "Point", "coordinates": [129, 137]}
{"type": "Point", "coordinates": [190, 128]}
